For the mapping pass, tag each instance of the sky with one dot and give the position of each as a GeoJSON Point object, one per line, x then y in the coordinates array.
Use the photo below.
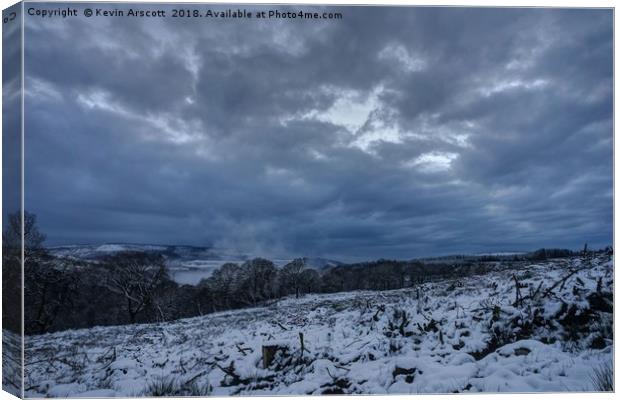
{"type": "Point", "coordinates": [390, 133]}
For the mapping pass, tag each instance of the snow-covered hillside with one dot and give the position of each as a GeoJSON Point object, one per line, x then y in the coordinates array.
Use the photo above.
{"type": "Point", "coordinates": [544, 327]}
{"type": "Point", "coordinates": [87, 252]}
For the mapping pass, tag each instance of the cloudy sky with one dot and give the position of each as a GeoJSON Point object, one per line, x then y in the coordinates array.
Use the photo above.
{"type": "Point", "coordinates": [393, 132]}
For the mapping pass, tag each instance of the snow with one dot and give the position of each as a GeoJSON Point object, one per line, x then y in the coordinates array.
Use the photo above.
{"type": "Point", "coordinates": [433, 338]}
{"type": "Point", "coordinates": [502, 253]}
{"type": "Point", "coordinates": [110, 248]}
{"type": "Point", "coordinates": [11, 362]}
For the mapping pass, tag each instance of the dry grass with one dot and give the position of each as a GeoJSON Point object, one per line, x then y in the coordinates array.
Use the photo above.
{"type": "Point", "coordinates": [602, 378]}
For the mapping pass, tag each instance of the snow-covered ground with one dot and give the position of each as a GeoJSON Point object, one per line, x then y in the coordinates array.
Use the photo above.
{"type": "Point", "coordinates": [11, 363]}
{"type": "Point", "coordinates": [473, 334]}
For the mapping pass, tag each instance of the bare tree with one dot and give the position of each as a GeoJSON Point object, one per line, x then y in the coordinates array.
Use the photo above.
{"type": "Point", "coordinates": [310, 280]}
{"type": "Point", "coordinates": [259, 281]}
{"type": "Point", "coordinates": [224, 285]}
{"type": "Point", "coordinates": [12, 235]}
{"type": "Point", "coordinates": [50, 289]}
{"type": "Point", "coordinates": [137, 278]}
{"type": "Point", "coordinates": [46, 288]}
{"type": "Point", "coordinates": [291, 276]}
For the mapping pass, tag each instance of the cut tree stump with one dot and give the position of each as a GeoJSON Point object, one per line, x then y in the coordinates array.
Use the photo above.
{"type": "Point", "coordinates": [269, 352]}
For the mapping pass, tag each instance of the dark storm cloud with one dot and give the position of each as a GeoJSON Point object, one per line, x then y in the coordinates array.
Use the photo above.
{"type": "Point", "coordinates": [394, 132]}
{"type": "Point", "coordinates": [11, 115]}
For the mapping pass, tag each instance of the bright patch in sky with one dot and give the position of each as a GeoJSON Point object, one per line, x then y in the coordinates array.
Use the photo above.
{"type": "Point", "coordinates": [41, 90]}
{"type": "Point", "coordinates": [165, 126]}
{"type": "Point", "coordinates": [399, 54]}
{"type": "Point", "coordinates": [379, 132]}
{"type": "Point", "coordinates": [434, 161]}
{"type": "Point", "coordinates": [351, 109]}
{"type": "Point", "coordinates": [506, 85]}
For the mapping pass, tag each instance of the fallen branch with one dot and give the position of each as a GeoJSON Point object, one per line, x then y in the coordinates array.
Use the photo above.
{"type": "Point", "coordinates": [196, 377]}
{"type": "Point", "coordinates": [230, 371]}
{"type": "Point", "coordinates": [243, 350]}
{"type": "Point", "coordinates": [560, 282]}
{"type": "Point", "coordinates": [533, 296]}
{"type": "Point", "coordinates": [517, 291]}
{"type": "Point", "coordinates": [340, 367]}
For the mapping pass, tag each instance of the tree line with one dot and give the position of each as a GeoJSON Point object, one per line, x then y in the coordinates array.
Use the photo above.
{"type": "Point", "coordinates": [136, 287]}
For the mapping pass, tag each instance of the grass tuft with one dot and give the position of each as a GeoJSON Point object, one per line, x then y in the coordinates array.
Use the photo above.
{"type": "Point", "coordinates": [166, 386]}
{"type": "Point", "coordinates": [602, 378]}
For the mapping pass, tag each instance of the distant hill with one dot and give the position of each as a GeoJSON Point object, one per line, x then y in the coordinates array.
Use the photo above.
{"type": "Point", "coordinates": [187, 264]}
{"type": "Point", "coordinates": [320, 264]}
{"type": "Point", "coordinates": [190, 264]}
{"type": "Point", "coordinates": [170, 251]}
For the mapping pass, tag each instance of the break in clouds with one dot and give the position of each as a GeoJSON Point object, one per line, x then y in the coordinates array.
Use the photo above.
{"type": "Point", "coordinates": [393, 132]}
